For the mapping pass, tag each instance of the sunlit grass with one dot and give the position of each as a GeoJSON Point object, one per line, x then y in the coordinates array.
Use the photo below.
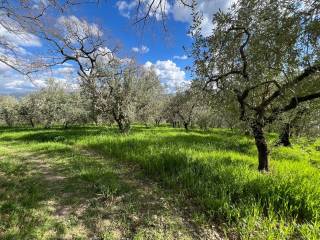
{"type": "Point", "coordinates": [216, 170]}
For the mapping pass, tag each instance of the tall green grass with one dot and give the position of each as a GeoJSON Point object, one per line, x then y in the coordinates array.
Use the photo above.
{"type": "Point", "coordinates": [217, 171]}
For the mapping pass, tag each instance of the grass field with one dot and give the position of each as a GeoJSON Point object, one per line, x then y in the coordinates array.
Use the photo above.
{"type": "Point", "coordinates": [154, 183]}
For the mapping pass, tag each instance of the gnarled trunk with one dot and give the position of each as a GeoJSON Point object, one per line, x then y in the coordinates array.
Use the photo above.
{"type": "Point", "coordinates": [286, 131]}
{"type": "Point", "coordinates": [284, 138]}
{"type": "Point", "coordinates": [8, 121]}
{"type": "Point", "coordinates": [94, 107]}
{"type": "Point", "coordinates": [123, 123]}
{"type": "Point", "coordinates": [95, 120]}
{"type": "Point", "coordinates": [186, 126]}
{"type": "Point", "coordinates": [262, 147]}
{"type": "Point", "coordinates": [120, 125]}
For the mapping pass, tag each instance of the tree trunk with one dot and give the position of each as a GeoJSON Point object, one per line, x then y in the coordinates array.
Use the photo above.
{"type": "Point", "coordinates": [31, 122]}
{"type": "Point", "coordinates": [95, 117]}
{"type": "Point", "coordinates": [96, 121]}
{"type": "Point", "coordinates": [8, 121]}
{"type": "Point", "coordinates": [262, 147]}
{"type": "Point", "coordinates": [66, 125]}
{"type": "Point", "coordinates": [120, 125]}
{"type": "Point", "coordinates": [286, 131]}
{"type": "Point", "coordinates": [94, 112]}
{"type": "Point", "coordinates": [285, 135]}
{"type": "Point", "coordinates": [123, 125]}
{"type": "Point", "coordinates": [186, 126]}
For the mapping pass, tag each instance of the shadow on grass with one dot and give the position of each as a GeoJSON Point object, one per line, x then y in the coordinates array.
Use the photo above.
{"type": "Point", "coordinates": [39, 198]}
{"type": "Point", "coordinates": [197, 140]}
{"type": "Point", "coordinates": [56, 191]}
{"type": "Point", "coordinates": [211, 142]}
{"type": "Point", "coordinates": [224, 187]}
{"type": "Point", "coordinates": [47, 135]}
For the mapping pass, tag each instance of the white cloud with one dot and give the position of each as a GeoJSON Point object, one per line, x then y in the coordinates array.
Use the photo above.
{"type": "Point", "coordinates": [183, 57]}
{"type": "Point", "coordinates": [4, 68]}
{"type": "Point", "coordinates": [126, 8]}
{"type": "Point", "coordinates": [135, 49]}
{"type": "Point", "coordinates": [15, 44]}
{"type": "Point", "coordinates": [21, 85]}
{"type": "Point", "coordinates": [14, 40]}
{"type": "Point", "coordinates": [12, 82]}
{"type": "Point", "coordinates": [177, 10]}
{"type": "Point", "coordinates": [181, 13]}
{"type": "Point", "coordinates": [20, 38]}
{"type": "Point", "coordinates": [206, 7]}
{"type": "Point", "coordinates": [64, 70]}
{"type": "Point", "coordinates": [74, 26]}
{"type": "Point", "coordinates": [171, 76]}
{"type": "Point", "coordinates": [155, 8]}
{"type": "Point", "coordinates": [142, 50]}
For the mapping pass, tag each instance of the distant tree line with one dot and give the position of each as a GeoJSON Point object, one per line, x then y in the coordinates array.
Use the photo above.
{"type": "Point", "coordinates": [143, 100]}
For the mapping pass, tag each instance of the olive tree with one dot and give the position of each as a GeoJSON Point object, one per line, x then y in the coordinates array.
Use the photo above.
{"type": "Point", "coordinates": [309, 124]}
{"type": "Point", "coordinates": [150, 97]}
{"type": "Point", "coordinates": [116, 90]}
{"type": "Point", "coordinates": [50, 101]}
{"type": "Point", "coordinates": [82, 44]}
{"type": "Point", "coordinates": [8, 110]}
{"type": "Point", "coordinates": [169, 111]}
{"type": "Point", "coordinates": [74, 109]}
{"type": "Point", "coordinates": [267, 54]}
{"type": "Point", "coordinates": [182, 106]}
{"type": "Point", "coordinates": [127, 92]}
{"type": "Point", "coordinates": [160, 109]}
{"type": "Point", "coordinates": [289, 122]}
{"type": "Point", "coordinates": [29, 109]}
{"type": "Point", "coordinates": [304, 120]}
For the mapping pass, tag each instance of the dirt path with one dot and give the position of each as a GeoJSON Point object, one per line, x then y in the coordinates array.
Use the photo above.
{"type": "Point", "coordinates": [156, 208]}
{"type": "Point", "coordinates": [85, 196]}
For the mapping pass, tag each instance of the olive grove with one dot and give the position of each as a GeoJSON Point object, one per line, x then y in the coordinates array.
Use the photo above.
{"type": "Point", "coordinates": [247, 74]}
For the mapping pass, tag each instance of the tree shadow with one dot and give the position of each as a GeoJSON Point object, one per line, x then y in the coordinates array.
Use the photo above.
{"type": "Point", "coordinates": [59, 192]}
{"type": "Point", "coordinates": [212, 142]}
{"type": "Point", "coordinates": [223, 183]}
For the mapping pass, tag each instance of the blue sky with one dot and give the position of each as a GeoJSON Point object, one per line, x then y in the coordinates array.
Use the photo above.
{"type": "Point", "coordinates": [151, 46]}
{"type": "Point", "coordinates": [162, 45]}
